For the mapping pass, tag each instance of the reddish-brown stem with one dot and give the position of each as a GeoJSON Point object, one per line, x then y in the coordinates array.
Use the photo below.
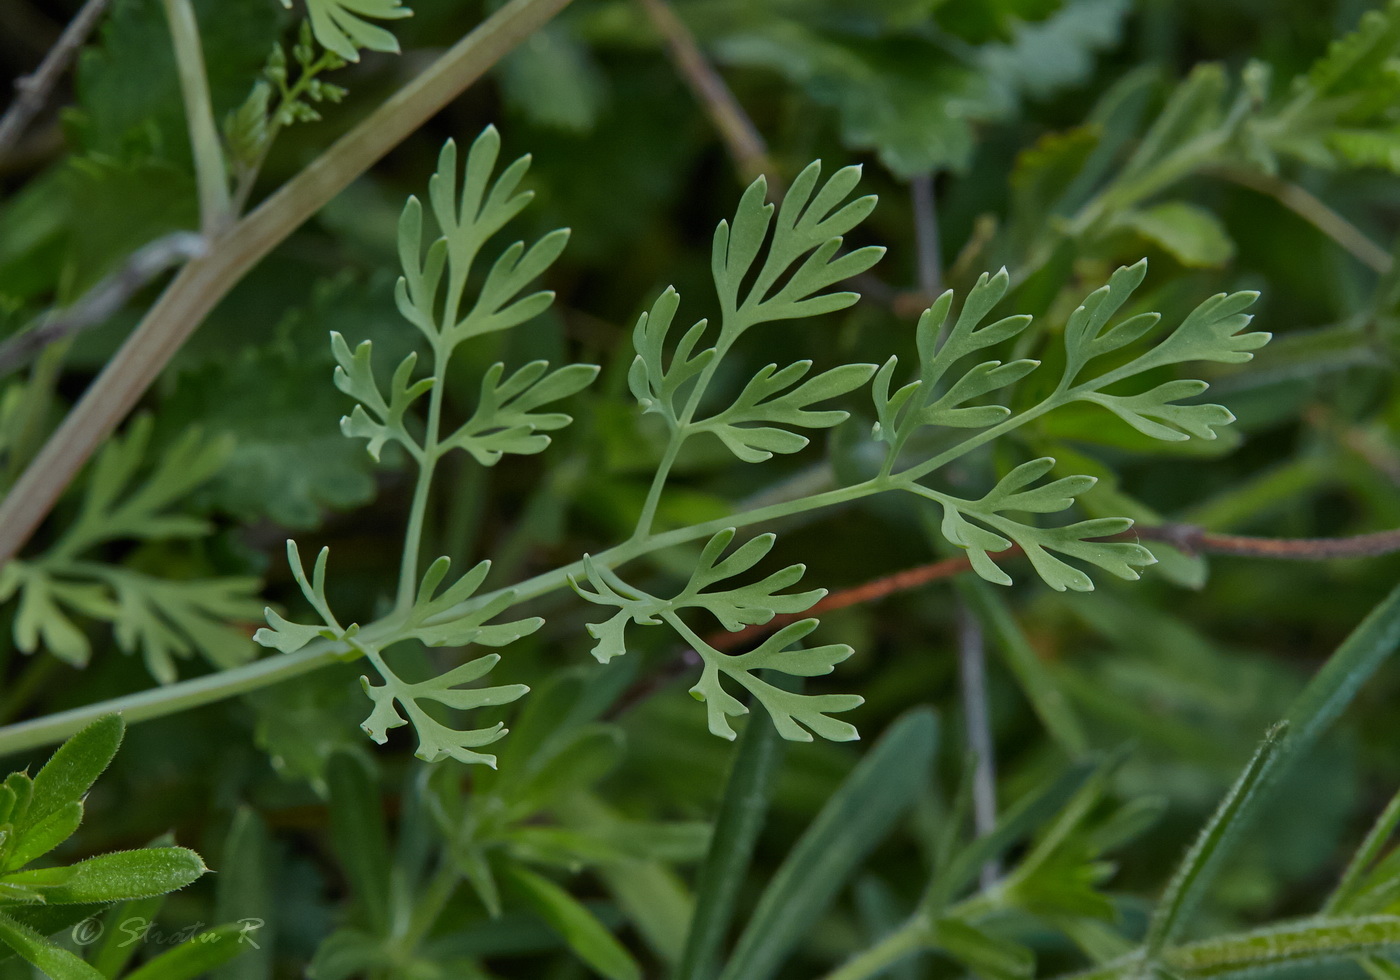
{"type": "Point", "coordinates": [1187, 537]}
{"type": "Point", "coordinates": [1191, 539]}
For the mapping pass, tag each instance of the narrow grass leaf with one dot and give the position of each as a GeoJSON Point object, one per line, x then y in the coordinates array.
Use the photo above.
{"type": "Point", "coordinates": [577, 926]}
{"type": "Point", "coordinates": [359, 836]}
{"type": "Point", "coordinates": [1198, 867]}
{"type": "Point", "coordinates": [853, 822]}
{"type": "Point", "coordinates": [747, 792]}
{"type": "Point", "coordinates": [197, 956]}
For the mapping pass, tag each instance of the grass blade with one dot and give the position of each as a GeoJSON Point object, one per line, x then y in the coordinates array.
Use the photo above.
{"type": "Point", "coordinates": [741, 815]}
{"type": "Point", "coordinates": [1198, 867]}
{"type": "Point", "coordinates": [1319, 704]}
{"type": "Point", "coordinates": [1276, 947]}
{"type": "Point", "coordinates": [856, 819]}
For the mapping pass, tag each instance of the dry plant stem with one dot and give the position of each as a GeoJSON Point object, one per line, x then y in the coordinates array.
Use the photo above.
{"type": "Point", "coordinates": [204, 281]}
{"type": "Point", "coordinates": [1311, 210]}
{"type": "Point", "coordinates": [31, 91]}
{"type": "Point", "coordinates": [740, 136]}
{"type": "Point", "coordinates": [104, 299]}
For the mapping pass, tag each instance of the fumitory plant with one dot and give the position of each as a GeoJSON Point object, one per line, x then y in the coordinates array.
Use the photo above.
{"type": "Point", "coordinates": [938, 503]}
{"type": "Point", "coordinates": [771, 264]}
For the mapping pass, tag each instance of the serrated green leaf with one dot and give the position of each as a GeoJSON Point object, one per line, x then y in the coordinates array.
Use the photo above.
{"type": "Point", "coordinates": [42, 618]}
{"type": "Point", "coordinates": [741, 426]}
{"type": "Point", "coordinates": [1154, 413]}
{"type": "Point", "coordinates": [735, 607]}
{"type": "Point", "coordinates": [165, 619]}
{"type": "Point", "coordinates": [114, 877]}
{"type": "Point", "coordinates": [374, 419]}
{"type": "Point", "coordinates": [994, 531]}
{"type": "Point", "coordinates": [1352, 60]}
{"type": "Point", "coordinates": [436, 740]}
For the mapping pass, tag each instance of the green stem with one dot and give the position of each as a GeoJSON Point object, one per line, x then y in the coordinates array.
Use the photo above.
{"type": "Point", "coordinates": [428, 909]}
{"type": "Point", "coordinates": [908, 939]}
{"type": "Point", "coordinates": [427, 463]}
{"type": "Point", "coordinates": [215, 207]}
{"type": "Point", "coordinates": [162, 701]}
{"type": "Point", "coordinates": [919, 470]}
{"type": "Point", "coordinates": [658, 484]}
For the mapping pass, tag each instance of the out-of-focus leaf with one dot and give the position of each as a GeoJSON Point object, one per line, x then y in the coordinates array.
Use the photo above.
{"type": "Point", "coordinates": [853, 822]}
{"type": "Point", "coordinates": [1189, 233]}
{"type": "Point", "coordinates": [585, 935]}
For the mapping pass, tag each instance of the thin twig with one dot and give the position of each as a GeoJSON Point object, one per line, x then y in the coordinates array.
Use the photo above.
{"type": "Point", "coordinates": [977, 724]}
{"type": "Point", "coordinates": [104, 299]}
{"type": "Point", "coordinates": [1311, 210]}
{"type": "Point", "coordinates": [740, 136]}
{"type": "Point", "coordinates": [33, 90]}
{"type": "Point", "coordinates": [1186, 537]}
{"type": "Point", "coordinates": [925, 207]}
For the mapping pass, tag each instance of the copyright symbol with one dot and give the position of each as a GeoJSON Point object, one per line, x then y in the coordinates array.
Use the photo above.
{"type": "Point", "coordinates": [88, 931]}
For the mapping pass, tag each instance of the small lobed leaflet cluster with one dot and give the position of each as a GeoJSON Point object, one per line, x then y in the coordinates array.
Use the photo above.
{"type": "Point", "coordinates": [770, 264]}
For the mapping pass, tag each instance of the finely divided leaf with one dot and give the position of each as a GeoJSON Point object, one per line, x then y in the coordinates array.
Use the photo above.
{"type": "Point", "coordinates": [341, 25]}
{"type": "Point", "coordinates": [982, 527]}
{"type": "Point", "coordinates": [505, 420]}
{"type": "Point", "coordinates": [375, 419]}
{"type": "Point", "coordinates": [743, 426]}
